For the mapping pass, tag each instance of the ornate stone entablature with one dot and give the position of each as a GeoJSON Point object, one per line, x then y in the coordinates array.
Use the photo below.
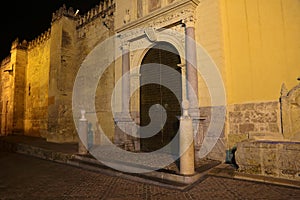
{"type": "Point", "coordinates": [150, 29]}
{"type": "Point", "coordinates": [174, 13]}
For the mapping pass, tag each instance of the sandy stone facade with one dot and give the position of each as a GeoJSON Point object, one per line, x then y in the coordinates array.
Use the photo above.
{"type": "Point", "coordinates": [37, 79]}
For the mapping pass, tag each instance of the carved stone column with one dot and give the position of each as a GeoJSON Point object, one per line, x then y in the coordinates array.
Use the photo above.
{"type": "Point", "coordinates": [191, 72]}
{"type": "Point", "coordinates": [191, 58]}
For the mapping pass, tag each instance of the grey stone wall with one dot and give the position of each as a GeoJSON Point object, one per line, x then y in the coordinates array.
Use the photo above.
{"type": "Point", "coordinates": [248, 118]}
{"type": "Point", "coordinates": [277, 159]}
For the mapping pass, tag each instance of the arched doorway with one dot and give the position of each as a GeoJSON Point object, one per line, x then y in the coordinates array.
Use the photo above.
{"type": "Point", "coordinates": [161, 55]}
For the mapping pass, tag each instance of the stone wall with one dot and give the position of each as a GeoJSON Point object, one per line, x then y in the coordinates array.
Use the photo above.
{"type": "Point", "coordinates": [6, 103]}
{"type": "Point", "coordinates": [247, 118]}
{"type": "Point", "coordinates": [19, 61]}
{"type": "Point", "coordinates": [277, 159]}
{"type": "Point", "coordinates": [92, 29]}
{"type": "Point", "coordinates": [37, 83]}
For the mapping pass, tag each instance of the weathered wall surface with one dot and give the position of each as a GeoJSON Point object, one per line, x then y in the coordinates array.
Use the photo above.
{"type": "Point", "coordinates": [252, 118]}
{"type": "Point", "coordinates": [6, 103]}
{"type": "Point", "coordinates": [37, 83]}
{"type": "Point", "coordinates": [269, 158]}
{"type": "Point", "coordinates": [61, 77]}
{"type": "Point", "coordinates": [19, 63]}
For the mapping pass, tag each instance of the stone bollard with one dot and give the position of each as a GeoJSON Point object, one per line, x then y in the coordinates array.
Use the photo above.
{"type": "Point", "coordinates": [186, 140]}
{"type": "Point", "coordinates": [83, 134]}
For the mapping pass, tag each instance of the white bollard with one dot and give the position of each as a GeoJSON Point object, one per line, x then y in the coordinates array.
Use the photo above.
{"type": "Point", "coordinates": [82, 133]}
{"type": "Point", "coordinates": [186, 140]}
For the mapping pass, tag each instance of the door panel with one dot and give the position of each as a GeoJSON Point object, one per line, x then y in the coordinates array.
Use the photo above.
{"type": "Point", "coordinates": [159, 58]}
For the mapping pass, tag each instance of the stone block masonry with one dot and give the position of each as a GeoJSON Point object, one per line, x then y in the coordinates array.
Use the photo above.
{"type": "Point", "coordinates": [243, 119]}
{"type": "Point", "coordinates": [271, 158]}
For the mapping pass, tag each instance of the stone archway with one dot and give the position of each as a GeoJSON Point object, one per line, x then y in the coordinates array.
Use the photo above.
{"type": "Point", "coordinates": [162, 54]}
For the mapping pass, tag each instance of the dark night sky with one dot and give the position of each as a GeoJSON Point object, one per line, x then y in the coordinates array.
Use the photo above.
{"type": "Point", "coordinates": [27, 19]}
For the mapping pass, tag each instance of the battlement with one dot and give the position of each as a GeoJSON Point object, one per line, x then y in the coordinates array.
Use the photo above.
{"type": "Point", "coordinates": [29, 45]}
{"type": "Point", "coordinates": [19, 45]}
{"type": "Point", "coordinates": [104, 9]}
{"type": "Point", "coordinates": [40, 39]}
{"type": "Point", "coordinates": [63, 11]}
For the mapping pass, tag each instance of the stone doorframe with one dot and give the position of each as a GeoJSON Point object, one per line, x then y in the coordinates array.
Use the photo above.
{"type": "Point", "coordinates": [175, 25]}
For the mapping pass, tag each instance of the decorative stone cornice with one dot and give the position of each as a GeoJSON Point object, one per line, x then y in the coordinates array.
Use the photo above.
{"type": "Point", "coordinates": [128, 35]}
{"type": "Point", "coordinates": [174, 13]}
{"type": "Point", "coordinates": [172, 18]}
{"type": "Point", "coordinates": [125, 46]}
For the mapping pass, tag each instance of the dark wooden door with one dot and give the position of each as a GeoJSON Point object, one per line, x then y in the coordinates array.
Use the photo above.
{"type": "Point", "coordinates": [154, 69]}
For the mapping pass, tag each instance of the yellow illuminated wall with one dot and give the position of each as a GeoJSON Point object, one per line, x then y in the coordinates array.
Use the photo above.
{"type": "Point", "coordinates": [261, 46]}
{"type": "Point", "coordinates": [36, 91]}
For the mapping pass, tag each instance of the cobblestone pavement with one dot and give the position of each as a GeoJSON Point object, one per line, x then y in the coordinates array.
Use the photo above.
{"type": "Point", "coordinates": [25, 177]}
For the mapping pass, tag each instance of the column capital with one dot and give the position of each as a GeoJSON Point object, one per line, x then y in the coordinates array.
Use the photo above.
{"type": "Point", "coordinates": [189, 21]}
{"type": "Point", "coordinates": [125, 45]}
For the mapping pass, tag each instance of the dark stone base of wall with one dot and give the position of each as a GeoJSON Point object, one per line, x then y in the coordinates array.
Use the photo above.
{"type": "Point", "coordinates": [270, 158]}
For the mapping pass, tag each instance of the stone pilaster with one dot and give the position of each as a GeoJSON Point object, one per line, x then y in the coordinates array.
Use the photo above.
{"type": "Point", "coordinates": [125, 79]}
{"type": "Point", "coordinates": [123, 122]}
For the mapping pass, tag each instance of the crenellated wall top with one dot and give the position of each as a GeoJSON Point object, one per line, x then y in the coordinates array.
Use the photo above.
{"type": "Point", "coordinates": [19, 45]}
{"type": "Point", "coordinates": [105, 10]}
{"type": "Point", "coordinates": [40, 39]}
{"type": "Point", "coordinates": [63, 11]}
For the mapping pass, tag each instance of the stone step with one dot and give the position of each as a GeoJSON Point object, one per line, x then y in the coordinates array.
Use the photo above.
{"type": "Point", "coordinates": [166, 177]}
{"type": "Point", "coordinates": [161, 177]}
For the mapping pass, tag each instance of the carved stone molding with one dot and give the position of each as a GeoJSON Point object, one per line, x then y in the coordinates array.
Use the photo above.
{"type": "Point", "coordinates": [164, 17]}
{"type": "Point", "coordinates": [172, 18]}
{"type": "Point", "coordinates": [151, 34]}
{"type": "Point", "coordinates": [125, 45]}
{"type": "Point", "coordinates": [189, 21]}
